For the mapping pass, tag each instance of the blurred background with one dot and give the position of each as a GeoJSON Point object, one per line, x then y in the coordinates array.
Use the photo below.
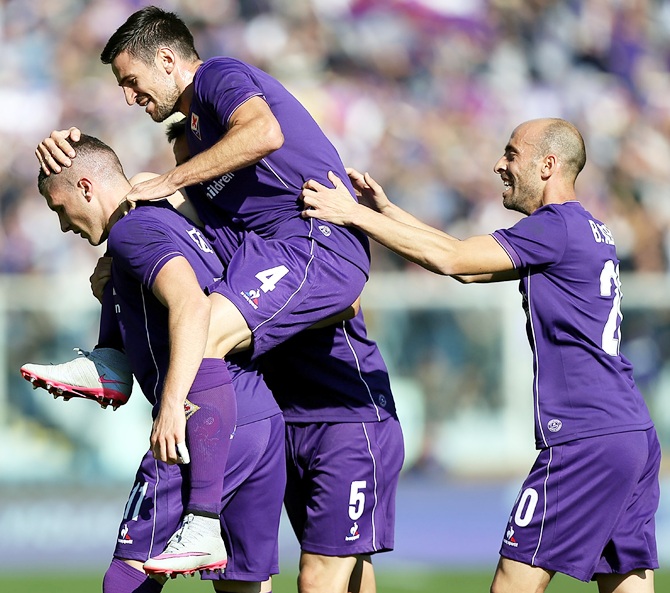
{"type": "Point", "coordinates": [422, 93]}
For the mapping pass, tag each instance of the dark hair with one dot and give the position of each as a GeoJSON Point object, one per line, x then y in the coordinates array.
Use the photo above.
{"type": "Point", "coordinates": [176, 129]}
{"type": "Point", "coordinates": [145, 31]}
{"type": "Point", "coordinates": [90, 152]}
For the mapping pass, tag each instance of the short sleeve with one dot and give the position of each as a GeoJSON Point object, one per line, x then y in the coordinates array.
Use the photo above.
{"type": "Point", "coordinates": [537, 240]}
{"type": "Point", "coordinates": [225, 84]}
{"type": "Point", "coordinates": [141, 246]}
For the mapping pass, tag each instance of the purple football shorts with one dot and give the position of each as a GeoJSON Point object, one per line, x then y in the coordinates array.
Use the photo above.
{"type": "Point", "coordinates": [252, 502]}
{"type": "Point", "coordinates": [341, 485]}
{"type": "Point", "coordinates": [284, 286]}
{"type": "Point", "coordinates": [588, 506]}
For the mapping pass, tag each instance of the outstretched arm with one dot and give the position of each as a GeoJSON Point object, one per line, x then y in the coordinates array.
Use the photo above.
{"type": "Point", "coordinates": [253, 133]}
{"type": "Point", "coordinates": [405, 235]}
{"type": "Point", "coordinates": [372, 195]}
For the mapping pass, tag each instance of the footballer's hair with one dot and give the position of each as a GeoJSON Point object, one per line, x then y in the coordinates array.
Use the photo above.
{"type": "Point", "coordinates": [93, 157]}
{"type": "Point", "coordinates": [564, 139]}
{"type": "Point", "coordinates": [146, 31]}
{"type": "Point", "coordinates": [176, 129]}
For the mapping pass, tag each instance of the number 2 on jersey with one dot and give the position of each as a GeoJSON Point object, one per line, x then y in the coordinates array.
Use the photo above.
{"type": "Point", "coordinates": [271, 276]}
{"type": "Point", "coordinates": [609, 281]}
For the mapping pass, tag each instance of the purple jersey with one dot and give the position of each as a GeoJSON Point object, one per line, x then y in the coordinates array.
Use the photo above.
{"type": "Point", "coordinates": [140, 244]}
{"type": "Point", "coordinates": [332, 374]}
{"type": "Point", "coordinates": [571, 292]}
{"type": "Point", "coordinates": [264, 198]}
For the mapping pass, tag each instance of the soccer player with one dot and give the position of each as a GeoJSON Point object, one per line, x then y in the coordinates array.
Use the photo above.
{"type": "Point", "coordinates": [255, 144]}
{"type": "Point", "coordinates": [587, 507]}
{"type": "Point", "coordinates": [161, 263]}
{"type": "Point", "coordinates": [344, 443]}
{"type": "Point", "coordinates": [334, 390]}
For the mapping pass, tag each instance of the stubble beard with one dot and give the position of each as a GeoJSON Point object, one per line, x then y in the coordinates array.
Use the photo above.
{"type": "Point", "coordinates": [167, 106]}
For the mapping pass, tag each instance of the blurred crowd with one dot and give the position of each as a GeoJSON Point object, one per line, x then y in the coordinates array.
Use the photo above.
{"type": "Point", "coordinates": [422, 93]}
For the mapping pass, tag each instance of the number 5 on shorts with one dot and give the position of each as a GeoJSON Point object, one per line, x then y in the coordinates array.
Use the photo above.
{"type": "Point", "coordinates": [357, 499]}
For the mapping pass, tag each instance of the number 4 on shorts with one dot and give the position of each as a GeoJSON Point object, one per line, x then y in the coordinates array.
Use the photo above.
{"type": "Point", "coordinates": [271, 276]}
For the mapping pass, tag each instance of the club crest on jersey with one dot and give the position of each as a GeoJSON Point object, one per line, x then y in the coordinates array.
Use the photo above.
{"type": "Point", "coordinates": [252, 297]}
{"type": "Point", "coordinates": [325, 230]}
{"type": "Point", "coordinates": [195, 125]}
{"type": "Point", "coordinates": [554, 425]}
{"type": "Point", "coordinates": [190, 409]}
{"type": "Point", "coordinates": [354, 534]}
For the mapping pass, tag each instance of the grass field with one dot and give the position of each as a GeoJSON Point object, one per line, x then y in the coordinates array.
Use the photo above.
{"type": "Point", "coordinates": [388, 582]}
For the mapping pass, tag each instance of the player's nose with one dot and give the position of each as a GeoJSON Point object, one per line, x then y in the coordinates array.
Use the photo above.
{"type": "Point", "coordinates": [130, 95]}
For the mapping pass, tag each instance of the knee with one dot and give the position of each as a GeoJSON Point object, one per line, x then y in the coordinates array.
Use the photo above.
{"type": "Point", "coordinates": [313, 581]}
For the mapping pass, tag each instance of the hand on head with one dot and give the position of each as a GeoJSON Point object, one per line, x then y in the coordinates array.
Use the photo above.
{"type": "Point", "coordinates": [55, 152]}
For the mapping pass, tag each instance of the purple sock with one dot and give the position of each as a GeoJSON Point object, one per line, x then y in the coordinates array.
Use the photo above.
{"type": "Point", "coordinates": [109, 335]}
{"type": "Point", "coordinates": [210, 424]}
{"type": "Point", "coordinates": [123, 578]}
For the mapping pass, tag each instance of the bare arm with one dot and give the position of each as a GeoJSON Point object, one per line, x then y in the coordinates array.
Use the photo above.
{"type": "Point", "coordinates": [372, 195]}
{"type": "Point", "coordinates": [188, 319]}
{"type": "Point", "coordinates": [430, 248]}
{"type": "Point", "coordinates": [253, 134]}
{"type": "Point", "coordinates": [178, 199]}
{"type": "Point", "coordinates": [487, 278]}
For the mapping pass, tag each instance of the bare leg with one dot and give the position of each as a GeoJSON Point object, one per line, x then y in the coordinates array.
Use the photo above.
{"type": "Point", "coordinates": [362, 578]}
{"type": "Point", "coordinates": [334, 574]}
{"type": "Point", "coordinates": [242, 586]}
{"type": "Point", "coordinates": [228, 331]}
{"type": "Point", "coordinates": [637, 581]}
{"type": "Point", "coordinates": [515, 577]}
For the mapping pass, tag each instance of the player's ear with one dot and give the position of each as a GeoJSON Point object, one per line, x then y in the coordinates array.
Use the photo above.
{"type": "Point", "coordinates": [549, 166]}
{"type": "Point", "coordinates": [85, 186]}
{"type": "Point", "coordinates": [165, 59]}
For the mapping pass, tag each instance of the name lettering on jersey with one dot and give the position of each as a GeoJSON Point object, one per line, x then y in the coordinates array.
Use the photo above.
{"type": "Point", "coordinates": [217, 186]}
{"type": "Point", "coordinates": [601, 233]}
{"type": "Point", "coordinates": [195, 125]}
{"type": "Point", "coordinates": [200, 241]}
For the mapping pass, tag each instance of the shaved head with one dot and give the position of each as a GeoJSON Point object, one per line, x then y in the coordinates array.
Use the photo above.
{"type": "Point", "coordinates": [94, 159]}
{"type": "Point", "coordinates": [561, 138]}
